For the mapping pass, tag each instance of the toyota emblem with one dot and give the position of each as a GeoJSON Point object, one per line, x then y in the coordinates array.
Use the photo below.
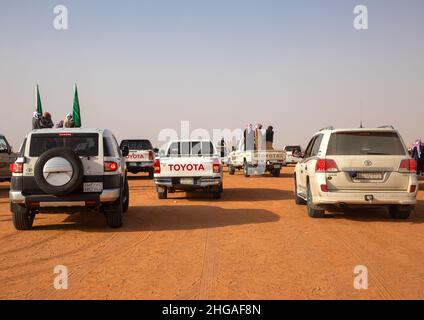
{"type": "Point", "coordinates": [368, 163]}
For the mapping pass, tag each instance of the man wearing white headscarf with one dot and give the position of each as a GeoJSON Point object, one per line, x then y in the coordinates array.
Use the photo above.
{"type": "Point", "coordinates": [69, 121]}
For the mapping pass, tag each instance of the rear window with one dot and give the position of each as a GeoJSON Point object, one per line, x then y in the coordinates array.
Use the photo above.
{"type": "Point", "coordinates": [83, 144]}
{"type": "Point", "coordinates": [193, 148]}
{"type": "Point", "coordinates": [3, 144]}
{"type": "Point", "coordinates": [292, 148]}
{"type": "Point", "coordinates": [365, 143]}
{"type": "Point", "coordinates": [137, 144]}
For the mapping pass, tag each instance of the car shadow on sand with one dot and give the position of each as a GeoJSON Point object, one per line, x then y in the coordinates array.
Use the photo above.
{"type": "Point", "coordinates": [165, 218]}
{"type": "Point", "coordinates": [376, 214]}
{"type": "Point", "coordinates": [236, 195]}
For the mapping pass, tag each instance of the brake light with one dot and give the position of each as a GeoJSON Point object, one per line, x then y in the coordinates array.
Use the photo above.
{"type": "Point", "coordinates": [324, 188]}
{"type": "Point", "coordinates": [156, 166]}
{"type": "Point", "coordinates": [326, 165]}
{"type": "Point", "coordinates": [16, 167]}
{"type": "Point", "coordinates": [408, 165]}
{"type": "Point", "coordinates": [151, 155]}
{"type": "Point", "coordinates": [412, 188]}
{"type": "Point", "coordinates": [111, 166]}
{"type": "Point", "coordinates": [216, 166]}
{"type": "Point", "coordinates": [65, 134]}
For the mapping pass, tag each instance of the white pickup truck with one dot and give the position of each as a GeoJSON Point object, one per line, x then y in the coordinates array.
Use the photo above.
{"type": "Point", "coordinates": [255, 162]}
{"type": "Point", "coordinates": [188, 165]}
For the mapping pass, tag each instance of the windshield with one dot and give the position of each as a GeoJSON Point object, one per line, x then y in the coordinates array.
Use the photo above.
{"type": "Point", "coordinates": [193, 148]}
{"type": "Point", "coordinates": [137, 144]}
{"type": "Point", "coordinates": [83, 144]}
{"type": "Point", "coordinates": [365, 143]}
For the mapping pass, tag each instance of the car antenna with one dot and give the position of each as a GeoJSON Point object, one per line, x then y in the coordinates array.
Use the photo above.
{"type": "Point", "coordinates": [360, 116]}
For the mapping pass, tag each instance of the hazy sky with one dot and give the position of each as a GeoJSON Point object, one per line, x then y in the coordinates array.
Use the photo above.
{"type": "Point", "coordinates": [142, 66]}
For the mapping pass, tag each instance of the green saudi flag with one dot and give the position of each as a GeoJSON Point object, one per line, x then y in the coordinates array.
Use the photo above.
{"type": "Point", "coordinates": [39, 107]}
{"type": "Point", "coordinates": [76, 114]}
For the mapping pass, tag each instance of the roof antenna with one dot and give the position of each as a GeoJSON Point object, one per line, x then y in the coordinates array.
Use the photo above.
{"type": "Point", "coordinates": [360, 116]}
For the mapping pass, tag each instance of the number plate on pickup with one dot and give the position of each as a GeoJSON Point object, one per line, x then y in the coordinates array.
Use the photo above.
{"type": "Point", "coordinates": [93, 187]}
{"type": "Point", "coordinates": [369, 176]}
{"type": "Point", "coordinates": [187, 181]}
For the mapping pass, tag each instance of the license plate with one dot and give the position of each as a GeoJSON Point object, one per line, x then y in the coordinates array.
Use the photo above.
{"type": "Point", "coordinates": [369, 176]}
{"type": "Point", "coordinates": [133, 164]}
{"type": "Point", "coordinates": [277, 166]}
{"type": "Point", "coordinates": [187, 181]}
{"type": "Point", "coordinates": [93, 186]}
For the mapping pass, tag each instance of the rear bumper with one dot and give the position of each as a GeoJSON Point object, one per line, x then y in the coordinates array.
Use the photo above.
{"type": "Point", "coordinates": [359, 198]}
{"type": "Point", "coordinates": [77, 200]}
{"type": "Point", "coordinates": [201, 182]}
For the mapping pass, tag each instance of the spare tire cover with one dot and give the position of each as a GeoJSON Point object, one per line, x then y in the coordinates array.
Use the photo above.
{"type": "Point", "coordinates": [58, 171]}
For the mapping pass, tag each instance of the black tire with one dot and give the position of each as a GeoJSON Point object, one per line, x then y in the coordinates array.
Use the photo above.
{"type": "Point", "coordinates": [74, 160]}
{"type": "Point", "coordinates": [276, 173]}
{"type": "Point", "coordinates": [126, 196]}
{"type": "Point", "coordinates": [297, 199]}
{"type": "Point", "coordinates": [115, 213]}
{"type": "Point", "coordinates": [162, 194]}
{"type": "Point", "coordinates": [399, 213]}
{"type": "Point", "coordinates": [22, 218]}
{"type": "Point", "coordinates": [231, 169]}
{"type": "Point", "coordinates": [151, 173]}
{"type": "Point", "coordinates": [246, 169]}
{"type": "Point", "coordinates": [216, 194]}
{"type": "Point", "coordinates": [313, 213]}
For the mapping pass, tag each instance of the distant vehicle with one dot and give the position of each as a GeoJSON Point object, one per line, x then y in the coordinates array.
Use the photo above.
{"type": "Point", "coordinates": [293, 154]}
{"type": "Point", "coordinates": [7, 157]}
{"type": "Point", "coordinates": [356, 167]}
{"type": "Point", "coordinates": [141, 156]}
{"type": "Point", "coordinates": [63, 169]}
{"type": "Point", "coordinates": [223, 152]}
{"type": "Point", "coordinates": [240, 158]}
{"type": "Point", "coordinates": [188, 165]}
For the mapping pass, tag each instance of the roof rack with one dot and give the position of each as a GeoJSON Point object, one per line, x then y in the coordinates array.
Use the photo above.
{"type": "Point", "coordinates": [327, 128]}
{"type": "Point", "coordinates": [387, 127]}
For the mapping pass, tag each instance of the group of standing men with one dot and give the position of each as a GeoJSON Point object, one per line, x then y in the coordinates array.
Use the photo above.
{"type": "Point", "coordinates": [257, 138]}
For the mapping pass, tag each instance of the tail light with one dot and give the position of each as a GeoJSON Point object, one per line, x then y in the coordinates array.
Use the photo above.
{"type": "Point", "coordinates": [326, 165]}
{"type": "Point", "coordinates": [408, 165]}
{"type": "Point", "coordinates": [151, 155]}
{"type": "Point", "coordinates": [324, 188]}
{"type": "Point", "coordinates": [216, 166]}
{"type": "Point", "coordinates": [16, 167]}
{"type": "Point", "coordinates": [156, 167]}
{"type": "Point", "coordinates": [412, 188]}
{"type": "Point", "coordinates": [111, 166]}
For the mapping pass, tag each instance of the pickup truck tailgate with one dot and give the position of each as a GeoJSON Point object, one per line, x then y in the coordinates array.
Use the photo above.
{"type": "Point", "coordinates": [186, 167]}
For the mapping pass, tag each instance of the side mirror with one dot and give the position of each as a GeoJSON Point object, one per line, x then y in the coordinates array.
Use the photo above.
{"type": "Point", "coordinates": [9, 149]}
{"type": "Point", "coordinates": [125, 150]}
{"type": "Point", "coordinates": [156, 150]}
{"type": "Point", "coordinates": [233, 148]}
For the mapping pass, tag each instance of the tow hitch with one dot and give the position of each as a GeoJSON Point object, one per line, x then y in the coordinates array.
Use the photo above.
{"type": "Point", "coordinates": [369, 197]}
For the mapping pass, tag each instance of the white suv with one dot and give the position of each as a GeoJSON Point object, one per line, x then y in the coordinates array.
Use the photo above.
{"type": "Point", "coordinates": [69, 169]}
{"type": "Point", "coordinates": [356, 167]}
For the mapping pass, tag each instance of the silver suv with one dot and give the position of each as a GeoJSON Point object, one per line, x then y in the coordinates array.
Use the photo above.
{"type": "Point", "coordinates": [356, 167]}
{"type": "Point", "coordinates": [66, 169]}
